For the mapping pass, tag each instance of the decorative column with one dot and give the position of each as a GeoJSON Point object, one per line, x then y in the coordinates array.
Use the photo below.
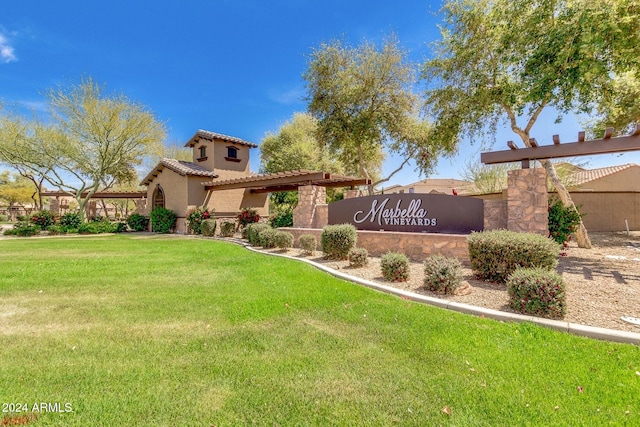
{"type": "Point", "coordinates": [54, 205]}
{"type": "Point", "coordinates": [309, 197]}
{"type": "Point", "coordinates": [527, 201]}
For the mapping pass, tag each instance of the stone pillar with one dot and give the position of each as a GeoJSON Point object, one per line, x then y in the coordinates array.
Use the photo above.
{"type": "Point", "coordinates": [54, 205]}
{"type": "Point", "coordinates": [527, 201]}
{"type": "Point", "coordinates": [309, 196]}
{"type": "Point", "coordinates": [90, 209]}
{"type": "Point", "coordinates": [350, 194]}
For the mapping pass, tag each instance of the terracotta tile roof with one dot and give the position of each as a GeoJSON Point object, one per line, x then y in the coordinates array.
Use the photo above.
{"type": "Point", "coordinates": [208, 135]}
{"type": "Point", "coordinates": [585, 176]}
{"type": "Point", "coordinates": [294, 178]}
{"type": "Point", "coordinates": [180, 167]}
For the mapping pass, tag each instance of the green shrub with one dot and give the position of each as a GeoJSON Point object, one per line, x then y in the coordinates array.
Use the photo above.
{"type": "Point", "coordinates": [56, 229]}
{"type": "Point", "coordinates": [195, 218]}
{"type": "Point", "coordinates": [281, 219]}
{"type": "Point", "coordinates": [358, 257]}
{"type": "Point", "coordinates": [138, 222]}
{"type": "Point", "coordinates": [4, 218]}
{"type": "Point", "coordinates": [337, 240]}
{"type": "Point", "coordinates": [395, 267]}
{"type": "Point", "coordinates": [88, 228]}
{"type": "Point", "coordinates": [308, 243]}
{"type": "Point", "coordinates": [23, 218]}
{"type": "Point", "coordinates": [253, 232]}
{"type": "Point", "coordinates": [9, 232]}
{"type": "Point", "coordinates": [208, 227]}
{"type": "Point", "coordinates": [43, 219]}
{"type": "Point", "coordinates": [70, 220]}
{"type": "Point", "coordinates": [563, 221]}
{"type": "Point", "coordinates": [163, 220]}
{"type": "Point", "coordinates": [247, 216]}
{"type": "Point", "coordinates": [538, 292]}
{"type": "Point", "coordinates": [496, 254]}
{"type": "Point", "coordinates": [284, 239]}
{"type": "Point", "coordinates": [227, 228]}
{"type": "Point", "coordinates": [25, 229]}
{"type": "Point", "coordinates": [267, 238]}
{"type": "Point", "coordinates": [442, 274]}
{"type": "Point", "coordinates": [119, 227]}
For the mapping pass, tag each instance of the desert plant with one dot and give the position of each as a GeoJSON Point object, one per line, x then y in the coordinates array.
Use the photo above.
{"type": "Point", "coordinates": [538, 292]}
{"type": "Point", "coordinates": [563, 221]}
{"type": "Point", "coordinates": [308, 243]}
{"type": "Point", "coordinates": [138, 222]}
{"type": "Point", "coordinates": [43, 219]}
{"type": "Point", "coordinates": [337, 240]}
{"type": "Point", "coordinates": [208, 227]}
{"type": "Point", "coordinates": [70, 220]}
{"type": "Point", "coordinates": [442, 274]}
{"type": "Point", "coordinates": [4, 218]}
{"type": "Point", "coordinates": [56, 229]}
{"type": "Point", "coordinates": [281, 219]}
{"type": "Point", "coordinates": [395, 267]}
{"type": "Point", "coordinates": [162, 220]}
{"type": "Point", "coordinates": [358, 257]}
{"type": "Point", "coordinates": [253, 232]}
{"type": "Point", "coordinates": [227, 228]}
{"type": "Point", "coordinates": [496, 254]}
{"type": "Point", "coordinates": [284, 240]}
{"type": "Point", "coordinates": [267, 238]}
{"type": "Point", "coordinates": [247, 216]}
{"type": "Point", "coordinates": [195, 218]}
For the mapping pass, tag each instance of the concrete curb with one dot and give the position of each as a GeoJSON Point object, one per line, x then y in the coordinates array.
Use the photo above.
{"type": "Point", "coordinates": [558, 325]}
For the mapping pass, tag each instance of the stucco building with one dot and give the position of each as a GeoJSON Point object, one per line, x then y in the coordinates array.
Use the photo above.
{"type": "Point", "coordinates": [180, 185]}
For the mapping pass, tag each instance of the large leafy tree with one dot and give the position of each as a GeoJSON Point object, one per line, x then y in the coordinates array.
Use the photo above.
{"type": "Point", "coordinates": [17, 190]}
{"type": "Point", "coordinates": [508, 60]}
{"type": "Point", "coordinates": [364, 102]}
{"type": "Point", "coordinates": [92, 143]}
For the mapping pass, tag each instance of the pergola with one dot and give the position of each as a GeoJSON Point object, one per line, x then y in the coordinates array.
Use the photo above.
{"type": "Point", "coordinates": [285, 181]}
{"type": "Point", "coordinates": [607, 144]}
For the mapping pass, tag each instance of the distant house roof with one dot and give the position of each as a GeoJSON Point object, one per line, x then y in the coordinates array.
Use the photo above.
{"type": "Point", "coordinates": [180, 167]}
{"type": "Point", "coordinates": [210, 136]}
{"type": "Point", "coordinates": [585, 176]}
{"type": "Point", "coordinates": [433, 185]}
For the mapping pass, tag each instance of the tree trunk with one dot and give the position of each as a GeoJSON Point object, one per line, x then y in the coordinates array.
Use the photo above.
{"type": "Point", "coordinates": [582, 237]}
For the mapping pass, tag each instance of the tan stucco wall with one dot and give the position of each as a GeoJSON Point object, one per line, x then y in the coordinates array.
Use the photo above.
{"type": "Point", "coordinates": [606, 211]}
{"type": "Point", "coordinates": [625, 180]}
{"type": "Point", "coordinates": [175, 191]}
{"type": "Point", "coordinates": [229, 202]}
{"type": "Point", "coordinates": [215, 160]}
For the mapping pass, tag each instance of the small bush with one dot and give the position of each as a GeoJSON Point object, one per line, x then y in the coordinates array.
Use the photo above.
{"type": "Point", "coordinates": [267, 238]}
{"type": "Point", "coordinates": [25, 229]}
{"type": "Point", "coordinates": [281, 219]}
{"type": "Point", "coordinates": [162, 220]}
{"type": "Point", "coordinates": [358, 257]}
{"type": "Point", "coordinates": [4, 218]}
{"type": "Point", "coordinates": [563, 221]}
{"type": "Point", "coordinates": [395, 267]}
{"type": "Point", "coordinates": [496, 254]}
{"type": "Point", "coordinates": [247, 216]}
{"type": "Point", "coordinates": [208, 227]}
{"type": "Point", "coordinates": [138, 222]}
{"type": "Point", "coordinates": [308, 243]}
{"type": "Point", "coordinates": [442, 274]}
{"type": "Point", "coordinates": [338, 240]}
{"type": "Point", "coordinates": [227, 229]}
{"type": "Point", "coordinates": [23, 218]}
{"type": "Point", "coordinates": [253, 232]}
{"type": "Point", "coordinates": [119, 227]}
{"type": "Point", "coordinates": [538, 292]}
{"type": "Point", "coordinates": [43, 219]}
{"type": "Point", "coordinates": [88, 228]}
{"type": "Point", "coordinates": [70, 220]}
{"type": "Point", "coordinates": [56, 229]}
{"type": "Point", "coordinates": [195, 218]}
{"type": "Point", "coordinates": [284, 240]}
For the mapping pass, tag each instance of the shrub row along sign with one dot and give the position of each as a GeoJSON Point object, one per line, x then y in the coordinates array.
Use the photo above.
{"type": "Point", "coordinates": [418, 213]}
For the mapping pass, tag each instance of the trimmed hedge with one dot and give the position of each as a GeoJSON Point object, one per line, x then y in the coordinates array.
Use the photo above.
{"type": "Point", "coordinates": [253, 232]}
{"type": "Point", "coordinates": [4, 218]}
{"type": "Point", "coordinates": [358, 257]}
{"type": "Point", "coordinates": [308, 243]}
{"type": "Point", "coordinates": [138, 222]}
{"type": "Point", "coordinates": [538, 292]}
{"type": "Point", "coordinates": [163, 220]}
{"type": "Point", "coordinates": [208, 227]}
{"type": "Point", "coordinates": [284, 240]}
{"type": "Point", "coordinates": [338, 240]}
{"type": "Point", "coordinates": [395, 267]}
{"type": "Point", "coordinates": [267, 238]}
{"type": "Point", "coordinates": [496, 254]}
{"type": "Point", "coordinates": [442, 274]}
{"type": "Point", "coordinates": [227, 228]}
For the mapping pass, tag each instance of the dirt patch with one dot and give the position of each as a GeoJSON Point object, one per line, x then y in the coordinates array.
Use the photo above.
{"type": "Point", "coordinates": [603, 283]}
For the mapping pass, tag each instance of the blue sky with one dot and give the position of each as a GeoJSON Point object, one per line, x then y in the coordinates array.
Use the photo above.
{"type": "Point", "coordinates": [229, 66]}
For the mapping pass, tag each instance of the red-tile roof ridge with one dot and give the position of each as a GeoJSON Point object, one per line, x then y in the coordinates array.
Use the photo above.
{"type": "Point", "coordinates": [206, 134]}
{"type": "Point", "coordinates": [585, 176]}
{"type": "Point", "coordinates": [181, 167]}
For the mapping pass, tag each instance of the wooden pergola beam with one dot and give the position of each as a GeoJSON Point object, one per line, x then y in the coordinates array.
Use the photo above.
{"type": "Point", "coordinates": [573, 149]}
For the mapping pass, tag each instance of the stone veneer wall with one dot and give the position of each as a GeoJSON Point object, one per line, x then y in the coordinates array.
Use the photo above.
{"type": "Point", "coordinates": [527, 201]}
{"type": "Point", "coordinates": [309, 198]}
{"type": "Point", "coordinates": [416, 246]}
{"type": "Point", "coordinates": [495, 214]}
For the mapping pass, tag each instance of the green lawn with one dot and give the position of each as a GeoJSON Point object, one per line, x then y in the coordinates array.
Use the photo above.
{"type": "Point", "coordinates": [162, 331]}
